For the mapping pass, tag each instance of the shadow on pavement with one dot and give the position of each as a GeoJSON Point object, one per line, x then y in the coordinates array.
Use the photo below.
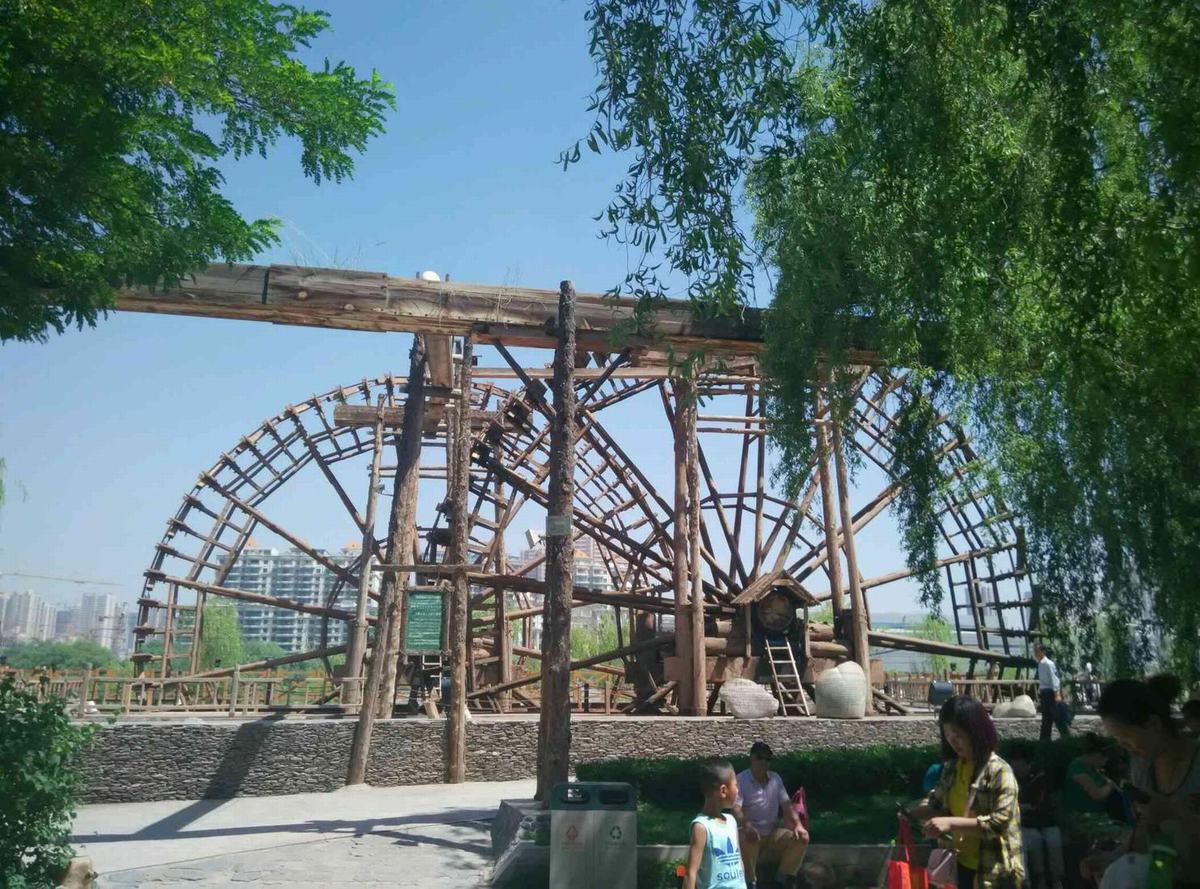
{"type": "Point", "coordinates": [170, 828]}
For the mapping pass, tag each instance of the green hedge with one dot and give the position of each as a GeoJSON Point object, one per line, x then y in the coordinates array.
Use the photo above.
{"type": "Point", "coordinates": [828, 775]}
{"type": "Point", "coordinates": [658, 874]}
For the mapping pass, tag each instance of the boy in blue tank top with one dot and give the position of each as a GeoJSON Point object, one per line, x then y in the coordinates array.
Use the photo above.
{"type": "Point", "coordinates": [714, 858]}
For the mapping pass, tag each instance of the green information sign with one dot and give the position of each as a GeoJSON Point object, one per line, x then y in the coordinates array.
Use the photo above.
{"type": "Point", "coordinates": [424, 633]}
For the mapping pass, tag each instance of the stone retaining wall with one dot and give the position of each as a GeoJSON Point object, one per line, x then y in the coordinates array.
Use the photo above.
{"type": "Point", "coordinates": [131, 762]}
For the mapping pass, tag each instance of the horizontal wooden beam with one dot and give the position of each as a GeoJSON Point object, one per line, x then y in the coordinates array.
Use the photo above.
{"type": "Point", "coordinates": [268, 664]}
{"type": "Point", "coordinates": [591, 374]}
{"type": "Point", "coordinates": [254, 598]}
{"type": "Point", "coordinates": [905, 573]}
{"type": "Point", "coordinates": [373, 301]}
{"type": "Point", "coordinates": [948, 649]}
{"type": "Point", "coordinates": [646, 645]}
{"type": "Point", "coordinates": [584, 595]}
{"type": "Point", "coordinates": [364, 415]}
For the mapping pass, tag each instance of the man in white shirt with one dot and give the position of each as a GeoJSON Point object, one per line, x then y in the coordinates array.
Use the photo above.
{"type": "Point", "coordinates": [762, 804]}
{"type": "Point", "coordinates": [1049, 694]}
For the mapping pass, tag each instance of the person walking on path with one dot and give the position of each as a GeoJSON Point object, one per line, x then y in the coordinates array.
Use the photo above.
{"type": "Point", "coordinates": [714, 857]}
{"type": "Point", "coordinates": [1049, 694]}
{"type": "Point", "coordinates": [762, 804]}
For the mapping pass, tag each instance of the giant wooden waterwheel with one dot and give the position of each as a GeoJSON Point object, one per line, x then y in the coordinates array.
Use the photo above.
{"type": "Point", "coordinates": [751, 537]}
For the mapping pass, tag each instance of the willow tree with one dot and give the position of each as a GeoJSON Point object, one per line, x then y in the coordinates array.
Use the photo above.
{"type": "Point", "coordinates": [1006, 195]}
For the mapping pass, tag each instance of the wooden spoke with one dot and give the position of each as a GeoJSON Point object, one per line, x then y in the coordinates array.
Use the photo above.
{"type": "Point", "coordinates": [619, 512]}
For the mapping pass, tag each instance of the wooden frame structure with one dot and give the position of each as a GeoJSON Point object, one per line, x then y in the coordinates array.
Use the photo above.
{"type": "Point", "coordinates": [678, 552]}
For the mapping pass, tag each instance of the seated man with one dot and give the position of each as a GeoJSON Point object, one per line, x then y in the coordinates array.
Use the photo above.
{"type": "Point", "coordinates": [762, 804]}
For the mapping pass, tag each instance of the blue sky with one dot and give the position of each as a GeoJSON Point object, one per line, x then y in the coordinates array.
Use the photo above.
{"type": "Point", "coordinates": [103, 430]}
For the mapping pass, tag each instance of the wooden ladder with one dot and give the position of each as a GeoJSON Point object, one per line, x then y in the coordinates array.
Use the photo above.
{"type": "Point", "coordinates": [786, 676]}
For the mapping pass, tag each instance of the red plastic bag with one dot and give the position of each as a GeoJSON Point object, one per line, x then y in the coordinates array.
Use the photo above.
{"type": "Point", "coordinates": [800, 807]}
{"type": "Point", "coordinates": [901, 872]}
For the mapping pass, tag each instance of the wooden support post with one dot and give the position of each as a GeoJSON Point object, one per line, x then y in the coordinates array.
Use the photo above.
{"type": "Point", "coordinates": [378, 692]}
{"type": "Point", "coordinates": [233, 690]}
{"type": "Point", "coordinates": [833, 564]}
{"type": "Point", "coordinates": [681, 551]}
{"type": "Point", "coordinates": [352, 689]}
{"type": "Point", "coordinates": [459, 457]}
{"type": "Point", "coordinates": [402, 527]}
{"type": "Point", "coordinates": [503, 630]}
{"type": "Point", "coordinates": [695, 704]}
{"type": "Point", "coordinates": [554, 723]}
{"type": "Point", "coordinates": [858, 610]}
{"type": "Point", "coordinates": [84, 686]}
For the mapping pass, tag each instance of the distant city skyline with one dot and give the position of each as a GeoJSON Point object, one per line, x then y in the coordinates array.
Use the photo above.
{"type": "Point", "coordinates": [26, 616]}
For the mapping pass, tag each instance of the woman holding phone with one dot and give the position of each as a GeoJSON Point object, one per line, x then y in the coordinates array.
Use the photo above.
{"type": "Point", "coordinates": [975, 802]}
{"type": "Point", "coordinates": [1164, 771]}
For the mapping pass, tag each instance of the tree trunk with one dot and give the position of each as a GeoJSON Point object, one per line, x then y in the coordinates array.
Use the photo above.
{"type": "Point", "coordinates": [859, 643]}
{"type": "Point", "coordinates": [832, 562]}
{"type": "Point", "coordinates": [681, 528]}
{"type": "Point", "coordinates": [554, 726]}
{"type": "Point", "coordinates": [460, 517]}
{"type": "Point", "coordinates": [696, 704]}
{"type": "Point", "coordinates": [401, 533]}
{"type": "Point", "coordinates": [402, 529]}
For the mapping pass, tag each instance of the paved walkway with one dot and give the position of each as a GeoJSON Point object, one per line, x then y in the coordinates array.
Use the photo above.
{"type": "Point", "coordinates": [416, 837]}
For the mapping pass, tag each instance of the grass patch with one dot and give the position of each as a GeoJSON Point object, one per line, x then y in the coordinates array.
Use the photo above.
{"type": "Point", "coordinates": [854, 821]}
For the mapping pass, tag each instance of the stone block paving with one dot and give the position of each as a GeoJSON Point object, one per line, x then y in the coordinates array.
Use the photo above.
{"type": "Point", "coordinates": [420, 857]}
{"type": "Point", "coordinates": [415, 837]}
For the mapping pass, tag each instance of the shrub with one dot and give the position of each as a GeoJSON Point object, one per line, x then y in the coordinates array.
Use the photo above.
{"type": "Point", "coordinates": [658, 874]}
{"type": "Point", "coordinates": [38, 748]}
{"type": "Point", "coordinates": [828, 775]}
{"type": "Point", "coordinates": [58, 655]}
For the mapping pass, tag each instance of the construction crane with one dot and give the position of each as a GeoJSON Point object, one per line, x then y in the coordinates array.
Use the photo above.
{"type": "Point", "coordinates": [79, 580]}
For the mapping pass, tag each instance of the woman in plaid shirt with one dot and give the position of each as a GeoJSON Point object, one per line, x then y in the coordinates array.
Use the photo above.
{"type": "Point", "coordinates": [975, 800]}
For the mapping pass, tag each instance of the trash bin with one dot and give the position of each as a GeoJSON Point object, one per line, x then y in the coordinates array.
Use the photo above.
{"type": "Point", "coordinates": [940, 691]}
{"type": "Point", "coordinates": [593, 836]}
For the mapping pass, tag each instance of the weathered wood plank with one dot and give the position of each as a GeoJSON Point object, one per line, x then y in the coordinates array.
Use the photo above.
{"type": "Point", "coordinates": [364, 415]}
{"type": "Point", "coordinates": [355, 300]}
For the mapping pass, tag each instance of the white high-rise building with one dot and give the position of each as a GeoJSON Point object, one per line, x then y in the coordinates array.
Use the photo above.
{"type": "Point", "coordinates": [27, 618]}
{"type": "Point", "coordinates": [99, 620]}
{"type": "Point", "coordinates": [591, 570]}
{"type": "Point", "coordinates": [292, 574]}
